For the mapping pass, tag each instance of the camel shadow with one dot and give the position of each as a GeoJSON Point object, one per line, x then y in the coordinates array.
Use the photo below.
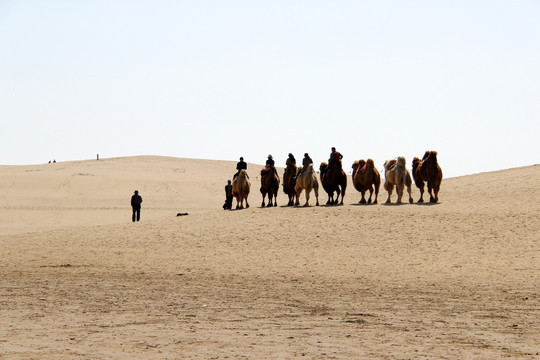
{"type": "Point", "coordinates": [364, 204]}
{"type": "Point", "coordinates": [427, 203]}
{"type": "Point", "coordinates": [396, 204]}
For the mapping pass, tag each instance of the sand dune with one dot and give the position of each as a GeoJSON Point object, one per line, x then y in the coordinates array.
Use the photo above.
{"type": "Point", "coordinates": [455, 280]}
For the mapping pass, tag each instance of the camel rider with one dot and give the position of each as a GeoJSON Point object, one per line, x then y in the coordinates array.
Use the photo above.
{"type": "Point", "coordinates": [305, 162]}
{"type": "Point", "coordinates": [335, 157]}
{"type": "Point", "coordinates": [270, 165]}
{"type": "Point", "coordinates": [291, 161]}
{"type": "Point", "coordinates": [241, 165]}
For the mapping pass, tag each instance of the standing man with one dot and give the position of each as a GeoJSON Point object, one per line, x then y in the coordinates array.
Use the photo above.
{"type": "Point", "coordinates": [228, 196]}
{"type": "Point", "coordinates": [136, 201]}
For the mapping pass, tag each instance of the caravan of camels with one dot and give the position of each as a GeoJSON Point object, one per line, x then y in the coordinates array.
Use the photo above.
{"type": "Point", "coordinates": [365, 177]}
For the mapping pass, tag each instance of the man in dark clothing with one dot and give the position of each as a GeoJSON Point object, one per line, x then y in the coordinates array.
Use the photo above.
{"type": "Point", "coordinates": [228, 196]}
{"type": "Point", "coordinates": [270, 165]}
{"type": "Point", "coordinates": [241, 165]}
{"type": "Point", "coordinates": [136, 201]}
{"type": "Point", "coordinates": [291, 161]}
{"type": "Point", "coordinates": [335, 157]}
{"type": "Point", "coordinates": [305, 162]}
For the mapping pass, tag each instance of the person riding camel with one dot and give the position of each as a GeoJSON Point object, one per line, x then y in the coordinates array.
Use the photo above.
{"type": "Point", "coordinates": [305, 162]}
{"type": "Point", "coordinates": [270, 165]}
{"type": "Point", "coordinates": [335, 158]}
{"type": "Point", "coordinates": [291, 161]}
{"type": "Point", "coordinates": [241, 165]}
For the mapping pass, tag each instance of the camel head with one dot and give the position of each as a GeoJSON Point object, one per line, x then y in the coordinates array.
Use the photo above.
{"type": "Point", "coordinates": [401, 162]}
{"type": "Point", "coordinates": [370, 164]}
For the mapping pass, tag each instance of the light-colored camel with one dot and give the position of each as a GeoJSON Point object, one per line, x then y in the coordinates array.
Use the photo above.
{"type": "Point", "coordinates": [307, 181]}
{"type": "Point", "coordinates": [396, 174]}
{"type": "Point", "coordinates": [269, 185]}
{"type": "Point", "coordinates": [365, 175]}
{"type": "Point", "coordinates": [241, 186]}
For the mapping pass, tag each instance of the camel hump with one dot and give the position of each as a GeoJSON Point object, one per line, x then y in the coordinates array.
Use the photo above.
{"type": "Point", "coordinates": [401, 161]}
{"type": "Point", "coordinates": [370, 163]}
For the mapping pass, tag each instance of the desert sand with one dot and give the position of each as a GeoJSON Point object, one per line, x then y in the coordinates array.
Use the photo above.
{"type": "Point", "coordinates": [78, 280]}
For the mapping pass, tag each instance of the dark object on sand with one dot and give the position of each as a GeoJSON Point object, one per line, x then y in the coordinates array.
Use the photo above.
{"type": "Point", "coordinates": [181, 214]}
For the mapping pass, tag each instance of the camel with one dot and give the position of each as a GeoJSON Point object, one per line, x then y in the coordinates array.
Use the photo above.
{"type": "Point", "coordinates": [289, 182]}
{"type": "Point", "coordinates": [329, 190]}
{"type": "Point", "coordinates": [332, 180]}
{"type": "Point", "coordinates": [427, 170]}
{"type": "Point", "coordinates": [269, 184]}
{"type": "Point", "coordinates": [364, 176]}
{"type": "Point", "coordinates": [397, 175]}
{"type": "Point", "coordinates": [241, 186]}
{"type": "Point", "coordinates": [307, 181]}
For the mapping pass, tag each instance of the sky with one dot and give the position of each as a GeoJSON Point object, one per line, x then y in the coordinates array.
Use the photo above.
{"type": "Point", "coordinates": [223, 79]}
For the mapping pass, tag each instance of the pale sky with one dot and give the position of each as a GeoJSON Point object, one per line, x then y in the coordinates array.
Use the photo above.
{"type": "Point", "coordinates": [224, 79]}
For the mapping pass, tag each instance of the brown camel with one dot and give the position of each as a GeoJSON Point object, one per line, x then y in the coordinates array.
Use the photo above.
{"type": "Point", "coordinates": [329, 190]}
{"type": "Point", "coordinates": [241, 186]}
{"type": "Point", "coordinates": [396, 174]}
{"type": "Point", "coordinates": [427, 170]}
{"type": "Point", "coordinates": [289, 182]}
{"type": "Point", "coordinates": [307, 181]}
{"type": "Point", "coordinates": [269, 185]}
{"type": "Point", "coordinates": [335, 179]}
{"type": "Point", "coordinates": [364, 176]}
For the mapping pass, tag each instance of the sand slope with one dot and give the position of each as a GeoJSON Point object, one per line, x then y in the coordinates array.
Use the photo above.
{"type": "Point", "coordinates": [455, 280]}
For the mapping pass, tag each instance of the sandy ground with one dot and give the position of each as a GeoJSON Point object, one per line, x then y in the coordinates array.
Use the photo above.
{"type": "Point", "coordinates": [455, 280]}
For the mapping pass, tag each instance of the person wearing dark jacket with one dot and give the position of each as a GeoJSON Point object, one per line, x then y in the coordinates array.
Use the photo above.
{"type": "Point", "coordinates": [136, 201]}
{"type": "Point", "coordinates": [228, 196]}
{"type": "Point", "coordinates": [241, 165]}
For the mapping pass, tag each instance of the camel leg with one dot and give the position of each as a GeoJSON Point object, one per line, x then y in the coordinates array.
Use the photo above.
{"type": "Point", "coordinates": [342, 194]}
{"type": "Point", "coordinates": [307, 197]}
{"type": "Point", "coordinates": [436, 191]}
{"type": "Point", "coordinates": [430, 190]}
{"type": "Point", "coordinates": [390, 189]}
{"type": "Point", "coordinates": [370, 194]}
{"type": "Point", "coordinates": [409, 190]}
{"type": "Point", "coordinates": [399, 190]}
{"type": "Point", "coordinates": [247, 205]}
{"type": "Point", "coordinates": [363, 200]}
{"type": "Point", "coordinates": [316, 189]}
{"type": "Point", "coordinates": [377, 184]}
{"type": "Point", "coordinates": [337, 195]}
{"type": "Point", "coordinates": [263, 192]}
{"type": "Point", "coordinates": [298, 193]}
{"type": "Point", "coordinates": [420, 185]}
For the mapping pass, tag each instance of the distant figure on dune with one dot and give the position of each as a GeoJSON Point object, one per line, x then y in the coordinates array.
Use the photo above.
{"type": "Point", "coordinates": [241, 165]}
{"type": "Point", "coordinates": [228, 196]}
{"type": "Point", "coordinates": [136, 201]}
